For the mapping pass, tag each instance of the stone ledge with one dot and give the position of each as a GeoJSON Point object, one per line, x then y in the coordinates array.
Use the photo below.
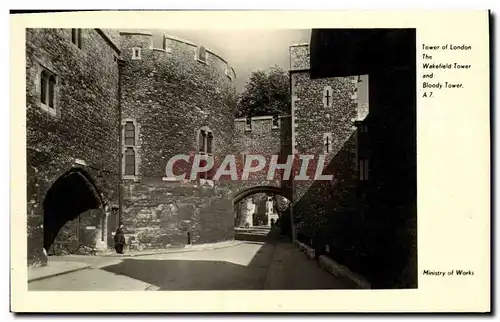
{"type": "Point", "coordinates": [311, 253]}
{"type": "Point", "coordinates": [135, 33]}
{"type": "Point", "coordinates": [338, 270]}
{"type": "Point", "coordinates": [54, 269]}
{"type": "Point", "coordinates": [185, 249]}
{"type": "Point", "coordinates": [334, 268]}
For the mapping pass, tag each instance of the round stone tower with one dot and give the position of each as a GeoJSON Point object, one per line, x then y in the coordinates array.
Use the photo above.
{"type": "Point", "coordinates": [178, 99]}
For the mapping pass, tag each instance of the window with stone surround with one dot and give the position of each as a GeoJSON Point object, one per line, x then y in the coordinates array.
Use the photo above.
{"type": "Point", "coordinates": [130, 162]}
{"type": "Point", "coordinates": [202, 140]}
{"type": "Point", "coordinates": [205, 147]}
{"type": "Point", "coordinates": [130, 152]}
{"type": "Point", "coordinates": [76, 37]}
{"type": "Point", "coordinates": [129, 133]}
{"type": "Point", "coordinates": [327, 142]}
{"type": "Point", "coordinates": [276, 122]}
{"type": "Point", "coordinates": [136, 53]}
{"type": "Point", "coordinates": [201, 54]}
{"type": "Point", "coordinates": [47, 89]}
{"type": "Point", "coordinates": [248, 126]}
{"type": "Point", "coordinates": [210, 138]}
{"type": "Point", "coordinates": [363, 169]}
{"type": "Point", "coordinates": [243, 160]}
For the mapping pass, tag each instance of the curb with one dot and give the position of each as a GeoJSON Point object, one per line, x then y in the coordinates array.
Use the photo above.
{"type": "Point", "coordinates": [166, 251]}
{"type": "Point", "coordinates": [60, 273]}
{"type": "Point", "coordinates": [311, 253]}
{"type": "Point", "coordinates": [333, 267]}
{"type": "Point", "coordinates": [117, 257]}
{"type": "Point", "coordinates": [338, 270]}
{"type": "Point", "coordinates": [152, 287]}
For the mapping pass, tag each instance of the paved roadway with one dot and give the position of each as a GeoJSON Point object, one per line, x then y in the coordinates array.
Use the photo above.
{"type": "Point", "coordinates": [261, 262]}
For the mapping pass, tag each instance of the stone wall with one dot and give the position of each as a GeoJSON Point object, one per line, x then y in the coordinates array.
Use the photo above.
{"type": "Point", "coordinates": [170, 214]}
{"type": "Point", "coordinates": [325, 209]}
{"type": "Point", "coordinates": [265, 140]}
{"type": "Point", "coordinates": [83, 125]}
{"type": "Point", "coordinates": [170, 96]}
{"type": "Point", "coordinates": [365, 220]}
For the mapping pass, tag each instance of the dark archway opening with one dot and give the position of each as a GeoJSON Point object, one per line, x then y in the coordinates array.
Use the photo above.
{"type": "Point", "coordinates": [255, 207]}
{"type": "Point", "coordinates": [71, 194]}
{"type": "Point", "coordinates": [262, 189]}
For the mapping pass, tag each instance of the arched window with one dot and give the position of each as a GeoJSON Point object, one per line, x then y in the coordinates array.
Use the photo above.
{"type": "Point", "coordinates": [52, 85]}
{"type": "Point", "coordinates": [210, 139]}
{"type": "Point", "coordinates": [129, 133]}
{"type": "Point", "coordinates": [205, 141]}
{"type": "Point", "coordinates": [44, 81]}
{"type": "Point", "coordinates": [202, 142]}
{"type": "Point", "coordinates": [48, 83]}
{"type": "Point", "coordinates": [363, 169]}
{"type": "Point", "coordinates": [205, 147]}
{"type": "Point", "coordinates": [130, 162]}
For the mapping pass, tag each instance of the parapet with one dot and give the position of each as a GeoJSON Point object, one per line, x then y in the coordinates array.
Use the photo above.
{"type": "Point", "coordinates": [135, 33]}
{"type": "Point", "coordinates": [168, 40]}
{"type": "Point", "coordinates": [135, 39]}
{"type": "Point", "coordinates": [267, 123]}
{"type": "Point", "coordinates": [138, 45]}
{"type": "Point", "coordinates": [299, 57]}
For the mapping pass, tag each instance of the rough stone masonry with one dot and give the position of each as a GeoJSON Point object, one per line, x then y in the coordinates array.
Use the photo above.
{"type": "Point", "coordinates": [105, 111]}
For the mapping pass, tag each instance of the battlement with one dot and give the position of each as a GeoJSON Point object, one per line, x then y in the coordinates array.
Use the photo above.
{"type": "Point", "coordinates": [135, 33]}
{"type": "Point", "coordinates": [299, 57]}
{"type": "Point", "coordinates": [136, 44]}
{"type": "Point", "coordinates": [261, 124]}
{"type": "Point", "coordinates": [170, 42]}
{"type": "Point", "coordinates": [190, 43]}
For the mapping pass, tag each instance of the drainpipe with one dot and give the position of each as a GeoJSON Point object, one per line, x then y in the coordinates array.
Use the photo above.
{"type": "Point", "coordinates": [292, 176]}
{"type": "Point", "coordinates": [121, 64]}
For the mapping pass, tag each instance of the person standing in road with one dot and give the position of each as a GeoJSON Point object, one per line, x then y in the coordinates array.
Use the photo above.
{"type": "Point", "coordinates": [119, 240]}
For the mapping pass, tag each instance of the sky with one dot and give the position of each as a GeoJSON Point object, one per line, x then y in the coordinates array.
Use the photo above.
{"type": "Point", "coordinates": [244, 50]}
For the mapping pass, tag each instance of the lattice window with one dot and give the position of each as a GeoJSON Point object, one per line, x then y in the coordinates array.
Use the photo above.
{"type": "Point", "coordinates": [129, 133]}
{"type": "Point", "coordinates": [48, 84]}
{"type": "Point", "coordinates": [130, 162]}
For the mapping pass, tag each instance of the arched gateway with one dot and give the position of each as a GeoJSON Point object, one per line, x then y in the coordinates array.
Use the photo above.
{"type": "Point", "coordinates": [287, 193]}
{"type": "Point", "coordinates": [70, 195]}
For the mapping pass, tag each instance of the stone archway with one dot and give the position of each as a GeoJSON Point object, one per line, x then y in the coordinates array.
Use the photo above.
{"type": "Point", "coordinates": [287, 193]}
{"type": "Point", "coordinates": [242, 211]}
{"type": "Point", "coordinates": [72, 194]}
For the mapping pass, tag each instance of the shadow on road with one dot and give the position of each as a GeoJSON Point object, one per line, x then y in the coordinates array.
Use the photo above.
{"type": "Point", "coordinates": [255, 235]}
{"type": "Point", "coordinates": [277, 264]}
{"type": "Point", "coordinates": [203, 274]}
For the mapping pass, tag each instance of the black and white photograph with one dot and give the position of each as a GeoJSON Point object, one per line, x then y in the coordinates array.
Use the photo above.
{"type": "Point", "coordinates": [108, 109]}
{"type": "Point", "coordinates": [178, 161]}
